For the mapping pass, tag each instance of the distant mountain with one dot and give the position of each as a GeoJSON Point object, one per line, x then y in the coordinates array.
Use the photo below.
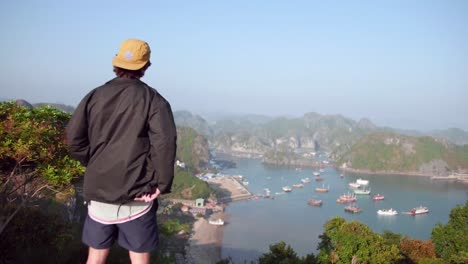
{"type": "Point", "coordinates": [389, 152]}
{"type": "Point", "coordinates": [311, 132]}
{"type": "Point", "coordinates": [454, 135]}
{"type": "Point", "coordinates": [187, 119]}
{"type": "Point", "coordinates": [63, 107]}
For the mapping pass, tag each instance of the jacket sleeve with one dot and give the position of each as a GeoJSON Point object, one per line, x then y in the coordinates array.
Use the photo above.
{"type": "Point", "coordinates": [163, 138]}
{"type": "Point", "coordinates": [77, 132]}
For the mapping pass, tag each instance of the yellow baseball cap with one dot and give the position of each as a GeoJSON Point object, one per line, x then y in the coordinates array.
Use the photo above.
{"type": "Point", "coordinates": [133, 55]}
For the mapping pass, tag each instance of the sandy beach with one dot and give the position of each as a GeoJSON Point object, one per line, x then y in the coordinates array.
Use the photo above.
{"type": "Point", "coordinates": [205, 241]}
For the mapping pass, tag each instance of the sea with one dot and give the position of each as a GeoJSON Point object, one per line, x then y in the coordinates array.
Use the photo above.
{"type": "Point", "coordinates": [253, 225]}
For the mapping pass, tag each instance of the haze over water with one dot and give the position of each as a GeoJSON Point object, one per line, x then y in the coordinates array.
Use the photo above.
{"type": "Point", "coordinates": [255, 224]}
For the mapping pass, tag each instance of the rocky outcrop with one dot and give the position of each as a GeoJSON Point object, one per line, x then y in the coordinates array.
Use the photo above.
{"type": "Point", "coordinates": [436, 167]}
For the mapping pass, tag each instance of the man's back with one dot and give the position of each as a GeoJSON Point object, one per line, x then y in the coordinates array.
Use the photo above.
{"type": "Point", "coordinates": [120, 115]}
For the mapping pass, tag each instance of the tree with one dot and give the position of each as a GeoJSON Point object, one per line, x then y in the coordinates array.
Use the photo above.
{"type": "Point", "coordinates": [281, 253]}
{"type": "Point", "coordinates": [451, 240]}
{"type": "Point", "coordinates": [349, 242]}
{"type": "Point", "coordinates": [33, 156]}
{"type": "Point", "coordinates": [415, 250]}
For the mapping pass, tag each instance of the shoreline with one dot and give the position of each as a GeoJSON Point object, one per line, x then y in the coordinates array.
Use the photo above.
{"type": "Point", "coordinates": [412, 174]}
{"type": "Point", "coordinates": [205, 242]}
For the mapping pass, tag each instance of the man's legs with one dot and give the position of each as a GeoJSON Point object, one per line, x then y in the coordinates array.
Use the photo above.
{"type": "Point", "coordinates": [97, 256]}
{"type": "Point", "coordinates": [139, 258]}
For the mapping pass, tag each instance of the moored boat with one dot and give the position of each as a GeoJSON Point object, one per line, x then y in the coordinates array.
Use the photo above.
{"type": "Point", "coordinates": [387, 212]}
{"type": "Point", "coordinates": [362, 191]}
{"type": "Point", "coordinates": [346, 198]}
{"type": "Point", "coordinates": [287, 189]}
{"type": "Point", "coordinates": [419, 210]}
{"type": "Point", "coordinates": [316, 173]}
{"type": "Point", "coordinates": [354, 185]}
{"type": "Point", "coordinates": [305, 180]}
{"type": "Point", "coordinates": [218, 222]}
{"type": "Point", "coordinates": [378, 197]}
{"type": "Point", "coordinates": [300, 185]}
{"type": "Point", "coordinates": [322, 189]}
{"type": "Point", "coordinates": [318, 178]}
{"type": "Point", "coordinates": [314, 202]}
{"type": "Point", "coordinates": [362, 182]}
{"type": "Point", "coordinates": [352, 209]}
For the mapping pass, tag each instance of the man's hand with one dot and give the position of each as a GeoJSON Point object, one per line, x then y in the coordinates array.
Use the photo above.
{"type": "Point", "coordinates": [149, 196]}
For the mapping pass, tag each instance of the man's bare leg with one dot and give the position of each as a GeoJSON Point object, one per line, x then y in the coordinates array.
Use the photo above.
{"type": "Point", "coordinates": [97, 256]}
{"type": "Point", "coordinates": [139, 258]}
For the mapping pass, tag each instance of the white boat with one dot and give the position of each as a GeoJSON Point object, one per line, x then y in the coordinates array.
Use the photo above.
{"type": "Point", "coordinates": [287, 189]}
{"type": "Point", "coordinates": [362, 191]}
{"type": "Point", "coordinates": [305, 180]}
{"type": "Point", "coordinates": [387, 212]}
{"type": "Point", "coordinates": [300, 185]}
{"type": "Point", "coordinates": [316, 173]}
{"type": "Point", "coordinates": [419, 210]}
{"type": "Point", "coordinates": [362, 182]}
{"type": "Point", "coordinates": [218, 222]}
{"type": "Point", "coordinates": [354, 185]}
{"type": "Point", "coordinates": [245, 183]}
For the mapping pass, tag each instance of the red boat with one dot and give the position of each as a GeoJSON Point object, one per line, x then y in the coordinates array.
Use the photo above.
{"type": "Point", "coordinates": [378, 197]}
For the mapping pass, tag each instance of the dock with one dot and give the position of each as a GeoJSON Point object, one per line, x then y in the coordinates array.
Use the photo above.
{"type": "Point", "coordinates": [229, 189]}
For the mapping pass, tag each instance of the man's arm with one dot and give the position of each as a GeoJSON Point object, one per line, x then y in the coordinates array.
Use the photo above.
{"type": "Point", "coordinates": [163, 138]}
{"type": "Point", "coordinates": [77, 133]}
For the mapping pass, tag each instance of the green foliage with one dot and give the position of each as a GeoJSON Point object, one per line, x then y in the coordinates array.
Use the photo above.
{"type": "Point", "coordinates": [451, 240]}
{"type": "Point", "coordinates": [35, 139]}
{"type": "Point", "coordinates": [281, 253]}
{"type": "Point", "coordinates": [172, 226]}
{"type": "Point", "coordinates": [391, 238]}
{"type": "Point", "coordinates": [345, 241]}
{"type": "Point", "coordinates": [393, 152]}
{"type": "Point", "coordinates": [187, 186]}
{"type": "Point", "coordinates": [192, 148]}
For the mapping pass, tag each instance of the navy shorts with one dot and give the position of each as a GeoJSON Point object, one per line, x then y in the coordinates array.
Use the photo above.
{"type": "Point", "coordinates": [138, 235]}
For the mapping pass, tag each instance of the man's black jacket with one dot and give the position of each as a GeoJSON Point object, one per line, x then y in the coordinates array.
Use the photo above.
{"type": "Point", "coordinates": [124, 133]}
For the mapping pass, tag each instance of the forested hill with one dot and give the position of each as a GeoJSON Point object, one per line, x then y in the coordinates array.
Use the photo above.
{"type": "Point", "coordinates": [390, 152]}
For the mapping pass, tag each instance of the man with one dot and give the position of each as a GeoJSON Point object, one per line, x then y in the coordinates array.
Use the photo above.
{"type": "Point", "coordinates": [124, 133]}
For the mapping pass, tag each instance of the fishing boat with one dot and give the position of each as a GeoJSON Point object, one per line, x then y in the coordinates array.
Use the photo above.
{"type": "Point", "coordinates": [287, 189]}
{"type": "Point", "coordinates": [354, 185]}
{"type": "Point", "coordinates": [218, 222]}
{"type": "Point", "coordinates": [322, 189]}
{"type": "Point", "coordinates": [362, 182]}
{"type": "Point", "coordinates": [315, 202]}
{"type": "Point", "coordinates": [419, 210]}
{"type": "Point", "coordinates": [305, 180]}
{"type": "Point", "coordinates": [378, 197]}
{"type": "Point", "coordinates": [346, 198]}
{"type": "Point", "coordinates": [300, 185]}
{"type": "Point", "coordinates": [387, 212]}
{"type": "Point", "coordinates": [352, 209]}
{"type": "Point", "coordinates": [362, 191]}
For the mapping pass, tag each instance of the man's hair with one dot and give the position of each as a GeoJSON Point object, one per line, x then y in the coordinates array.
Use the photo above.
{"type": "Point", "coordinates": [131, 74]}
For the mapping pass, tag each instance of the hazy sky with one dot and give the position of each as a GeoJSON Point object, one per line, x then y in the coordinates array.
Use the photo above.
{"type": "Point", "coordinates": [400, 63]}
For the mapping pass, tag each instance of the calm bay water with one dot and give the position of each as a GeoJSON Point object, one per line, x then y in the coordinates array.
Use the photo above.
{"type": "Point", "coordinates": [255, 224]}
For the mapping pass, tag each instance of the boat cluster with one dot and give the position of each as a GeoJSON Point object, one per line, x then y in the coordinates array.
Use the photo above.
{"type": "Point", "coordinates": [359, 187]}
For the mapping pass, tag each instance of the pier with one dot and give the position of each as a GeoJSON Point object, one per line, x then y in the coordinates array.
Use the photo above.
{"type": "Point", "coordinates": [229, 189]}
{"type": "Point", "coordinates": [453, 177]}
